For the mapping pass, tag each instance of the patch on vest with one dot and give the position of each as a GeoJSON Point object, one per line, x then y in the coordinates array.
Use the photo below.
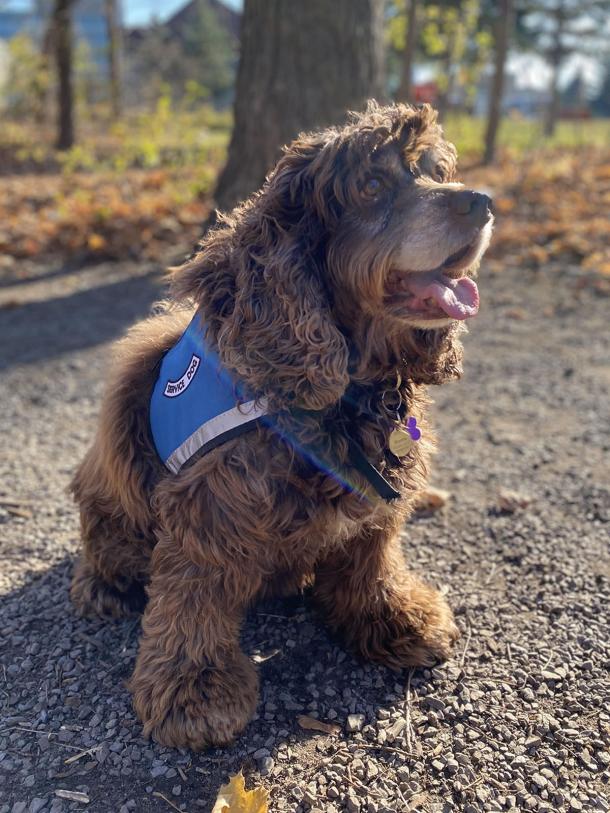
{"type": "Point", "coordinates": [174, 388]}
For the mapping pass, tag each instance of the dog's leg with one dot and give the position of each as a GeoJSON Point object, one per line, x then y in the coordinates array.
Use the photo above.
{"type": "Point", "coordinates": [192, 686]}
{"type": "Point", "coordinates": [109, 577]}
{"type": "Point", "coordinates": [382, 610]}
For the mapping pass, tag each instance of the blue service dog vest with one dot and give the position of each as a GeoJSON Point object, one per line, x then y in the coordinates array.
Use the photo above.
{"type": "Point", "coordinates": [196, 405]}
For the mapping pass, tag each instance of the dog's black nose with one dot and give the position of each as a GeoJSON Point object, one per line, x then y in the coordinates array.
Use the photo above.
{"type": "Point", "coordinates": [474, 207]}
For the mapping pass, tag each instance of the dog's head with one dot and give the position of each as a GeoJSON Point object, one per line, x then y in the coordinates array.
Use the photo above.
{"type": "Point", "coordinates": [355, 259]}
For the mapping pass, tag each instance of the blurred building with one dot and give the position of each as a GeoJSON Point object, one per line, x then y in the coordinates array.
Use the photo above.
{"type": "Point", "coordinates": [197, 44]}
{"type": "Point", "coordinates": [527, 99]}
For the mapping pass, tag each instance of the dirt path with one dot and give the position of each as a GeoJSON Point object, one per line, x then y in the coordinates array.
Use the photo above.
{"type": "Point", "coordinates": [518, 720]}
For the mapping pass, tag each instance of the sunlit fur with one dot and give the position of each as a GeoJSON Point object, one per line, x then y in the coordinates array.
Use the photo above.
{"type": "Point", "coordinates": [291, 287]}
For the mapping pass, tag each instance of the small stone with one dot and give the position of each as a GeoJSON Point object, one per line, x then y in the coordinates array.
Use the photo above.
{"type": "Point", "coordinates": [266, 765]}
{"type": "Point", "coordinates": [37, 804]}
{"type": "Point", "coordinates": [261, 753]}
{"type": "Point", "coordinates": [355, 722]}
{"type": "Point", "coordinates": [539, 780]}
{"type": "Point", "coordinates": [548, 674]}
{"type": "Point", "coordinates": [177, 790]}
{"type": "Point", "coordinates": [352, 804]}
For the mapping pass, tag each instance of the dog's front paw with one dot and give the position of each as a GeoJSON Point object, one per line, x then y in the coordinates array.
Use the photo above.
{"type": "Point", "coordinates": [415, 629]}
{"type": "Point", "coordinates": [92, 596]}
{"type": "Point", "coordinates": [206, 710]}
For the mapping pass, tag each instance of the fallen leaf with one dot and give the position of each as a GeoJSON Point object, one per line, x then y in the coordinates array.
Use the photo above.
{"type": "Point", "coordinates": [261, 657]}
{"type": "Point", "coordinates": [516, 313]}
{"type": "Point", "coordinates": [96, 242]}
{"type": "Point", "coordinates": [311, 724]}
{"type": "Point", "coordinates": [234, 798]}
{"type": "Point", "coordinates": [73, 796]}
{"type": "Point", "coordinates": [431, 499]}
{"type": "Point", "coordinates": [509, 501]}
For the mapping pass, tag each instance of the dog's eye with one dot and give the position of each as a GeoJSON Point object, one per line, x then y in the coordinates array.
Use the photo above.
{"type": "Point", "coordinates": [372, 188]}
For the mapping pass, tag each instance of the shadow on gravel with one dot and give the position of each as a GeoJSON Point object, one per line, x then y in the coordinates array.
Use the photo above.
{"type": "Point", "coordinates": [66, 719]}
{"type": "Point", "coordinates": [55, 271]}
{"type": "Point", "coordinates": [41, 330]}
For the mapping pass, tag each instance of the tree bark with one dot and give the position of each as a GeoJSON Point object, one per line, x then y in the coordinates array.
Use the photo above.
{"type": "Point", "coordinates": [552, 111]}
{"type": "Point", "coordinates": [62, 26]}
{"type": "Point", "coordinates": [302, 65]}
{"type": "Point", "coordinates": [114, 56]}
{"type": "Point", "coordinates": [405, 90]}
{"type": "Point", "coordinates": [444, 96]}
{"type": "Point", "coordinates": [502, 37]}
{"type": "Point", "coordinates": [556, 58]}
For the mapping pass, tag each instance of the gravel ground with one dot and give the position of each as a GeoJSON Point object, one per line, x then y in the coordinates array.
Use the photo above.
{"type": "Point", "coordinates": [519, 719]}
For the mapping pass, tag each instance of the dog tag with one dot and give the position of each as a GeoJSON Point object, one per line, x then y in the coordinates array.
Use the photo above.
{"type": "Point", "coordinates": [400, 441]}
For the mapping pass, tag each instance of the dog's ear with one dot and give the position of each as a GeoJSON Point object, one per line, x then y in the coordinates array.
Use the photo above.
{"type": "Point", "coordinates": [303, 186]}
{"type": "Point", "coordinates": [261, 285]}
{"type": "Point", "coordinates": [282, 337]}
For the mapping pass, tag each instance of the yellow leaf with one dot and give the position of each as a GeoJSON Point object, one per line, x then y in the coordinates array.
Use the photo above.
{"type": "Point", "coordinates": [96, 242]}
{"type": "Point", "coordinates": [431, 499]}
{"type": "Point", "coordinates": [312, 724]}
{"type": "Point", "coordinates": [234, 798]}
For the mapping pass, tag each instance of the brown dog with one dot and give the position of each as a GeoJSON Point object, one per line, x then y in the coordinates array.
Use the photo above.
{"type": "Point", "coordinates": [333, 296]}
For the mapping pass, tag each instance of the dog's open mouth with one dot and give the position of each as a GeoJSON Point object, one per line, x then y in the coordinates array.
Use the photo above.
{"type": "Point", "coordinates": [440, 293]}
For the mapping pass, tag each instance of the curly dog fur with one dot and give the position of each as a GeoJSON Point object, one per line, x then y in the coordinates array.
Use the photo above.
{"type": "Point", "coordinates": [293, 286]}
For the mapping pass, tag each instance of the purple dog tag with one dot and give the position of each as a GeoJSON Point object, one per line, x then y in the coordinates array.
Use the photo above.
{"type": "Point", "coordinates": [412, 429]}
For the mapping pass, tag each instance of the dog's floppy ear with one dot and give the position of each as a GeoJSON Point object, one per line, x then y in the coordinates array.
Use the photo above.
{"type": "Point", "coordinates": [265, 294]}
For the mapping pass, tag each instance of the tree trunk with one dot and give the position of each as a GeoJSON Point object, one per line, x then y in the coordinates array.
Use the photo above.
{"type": "Point", "coordinates": [114, 50]}
{"type": "Point", "coordinates": [62, 26]}
{"type": "Point", "coordinates": [444, 96]}
{"type": "Point", "coordinates": [405, 91]}
{"type": "Point", "coordinates": [302, 65]}
{"type": "Point", "coordinates": [556, 57]}
{"type": "Point", "coordinates": [552, 111]}
{"type": "Point", "coordinates": [502, 37]}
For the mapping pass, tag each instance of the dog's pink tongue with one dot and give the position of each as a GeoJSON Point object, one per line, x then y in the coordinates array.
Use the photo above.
{"type": "Point", "coordinates": [459, 298]}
